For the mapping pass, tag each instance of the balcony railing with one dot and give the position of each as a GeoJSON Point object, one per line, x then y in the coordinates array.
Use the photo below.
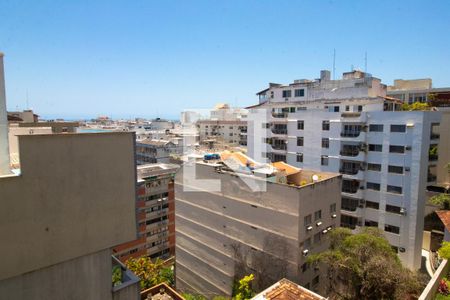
{"type": "Point", "coordinates": [279, 115]}
{"type": "Point", "coordinates": [350, 133]}
{"type": "Point", "coordinates": [349, 171]}
{"type": "Point", "coordinates": [350, 189]}
{"type": "Point", "coordinates": [279, 131]}
{"type": "Point", "coordinates": [349, 152]}
{"type": "Point", "coordinates": [279, 147]}
{"type": "Point", "coordinates": [434, 136]}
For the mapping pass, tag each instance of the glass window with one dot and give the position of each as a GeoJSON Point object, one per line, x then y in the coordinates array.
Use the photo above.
{"type": "Point", "coordinates": [398, 128]}
{"type": "Point", "coordinates": [308, 220]}
{"type": "Point", "coordinates": [373, 205]}
{"type": "Point", "coordinates": [393, 209]}
{"type": "Point", "coordinates": [391, 228]}
{"type": "Point", "coordinates": [300, 125]}
{"type": "Point", "coordinates": [395, 169]}
{"type": "Point", "coordinates": [318, 215]}
{"type": "Point", "coordinates": [370, 223]}
{"type": "Point", "coordinates": [396, 149]}
{"type": "Point", "coordinates": [305, 267]}
{"type": "Point", "coordinates": [326, 125]}
{"type": "Point", "coordinates": [349, 204]}
{"type": "Point", "coordinates": [375, 147]}
{"type": "Point", "coordinates": [374, 167]}
{"type": "Point", "coordinates": [307, 243]}
{"type": "Point", "coordinates": [376, 127]}
{"type": "Point", "coordinates": [394, 189]}
{"type": "Point", "coordinates": [300, 141]}
{"type": "Point", "coordinates": [286, 93]}
{"type": "Point", "coordinates": [299, 157]}
{"type": "Point", "coordinates": [373, 186]}
{"type": "Point", "coordinates": [315, 281]}
{"type": "Point", "coordinates": [300, 93]}
{"type": "Point", "coordinates": [317, 238]}
{"type": "Point", "coordinates": [324, 160]}
{"type": "Point", "coordinates": [325, 143]}
{"type": "Point", "coordinates": [333, 208]}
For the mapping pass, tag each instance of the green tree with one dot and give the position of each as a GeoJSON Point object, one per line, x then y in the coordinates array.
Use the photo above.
{"type": "Point", "coordinates": [441, 200]}
{"type": "Point", "coordinates": [364, 266]}
{"type": "Point", "coordinates": [243, 289]}
{"type": "Point", "coordinates": [444, 251]}
{"type": "Point", "coordinates": [150, 273]}
{"type": "Point", "coordinates": [415, 106]}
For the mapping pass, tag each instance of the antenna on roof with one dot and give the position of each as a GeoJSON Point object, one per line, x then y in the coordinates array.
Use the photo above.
{"type": "Point", "coordinates": [28, 106]}
{"type": "Point", "coordinates": [334, 64]}
{"type": "Point", "coordinates": [365, 62]}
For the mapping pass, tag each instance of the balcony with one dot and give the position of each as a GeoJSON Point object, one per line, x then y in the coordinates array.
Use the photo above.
{"type": "Point", "coordinates": [125, 285]}
{"type": "Point", "coordinates": [350, 134]}
{"type": "Point", "coordinates": [279, 115]}
{"type": "Point", "coordinates": [435, 136]}
{"type": "Point", "coordinates": [350, 171]}
{"type": "Point", "coordinates": [349, 152]}
{"type": "Point", "coordinates": [433, 157]}
{"type": "Point", "coordinates": [431, 178]}
{"type": "Point", "coordinates": [282, 147]}
{"type": "Point", "coordinates": [282, 131]}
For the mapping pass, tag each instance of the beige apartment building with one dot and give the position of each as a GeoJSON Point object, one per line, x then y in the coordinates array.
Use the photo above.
{"type": "Point", "coordinates": [225, 234]}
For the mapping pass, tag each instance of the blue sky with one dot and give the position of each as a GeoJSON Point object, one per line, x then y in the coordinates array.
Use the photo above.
{"type": "Point", "coordinates": [79, 59]}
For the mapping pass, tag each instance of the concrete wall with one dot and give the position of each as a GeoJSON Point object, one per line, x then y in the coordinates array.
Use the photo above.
{"type": "Point", "coordinates": [75, 196]}
{"type": "Point", "coordinates": [87, 277]}
{"type": "Point", "coordinates": [443, 175]}
{"type": "Point", "coordinates": [214, 228]}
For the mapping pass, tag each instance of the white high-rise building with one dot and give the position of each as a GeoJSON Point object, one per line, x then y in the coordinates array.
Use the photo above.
{"type": "Point", "coordinates": [386, 155]}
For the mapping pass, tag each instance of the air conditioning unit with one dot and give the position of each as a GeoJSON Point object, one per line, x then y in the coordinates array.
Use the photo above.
{"type": "Point", "coordinates": [408, 148]}
{"type": "Point", "coordinates": [361, 187]}
{"type": "Point", "coordinates": [305, 252]}
{"type": "Point", "coordinates": [403, 211]}
{"type": "Point", "coordinates": [324, 231]}
{"type": "Point", "coordinates": [309, 228]}
{"type": "Point", "coordinates": [319, 223]}
{"type": "Point", "coordinates": [407, 169]}
{"type": "Point", "coordinates": [329, 228]}
{"type": "Point", "coordinates": [334, 216]}
{"type": "Point", "coordinates": [361, 203]}
{"type": "Point", "coordinates": [402, 250]}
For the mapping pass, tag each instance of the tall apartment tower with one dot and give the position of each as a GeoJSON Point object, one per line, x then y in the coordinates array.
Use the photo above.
{"type": "Point", "coordinates": [155, 214]}
{"type": "Point", "coordinates": [349, 126]}
{"type": "Point", "coordinates": [225, 234]}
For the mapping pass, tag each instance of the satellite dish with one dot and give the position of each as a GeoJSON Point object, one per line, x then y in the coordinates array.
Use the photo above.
{"type": "Point", "coordinates": [315, 177]}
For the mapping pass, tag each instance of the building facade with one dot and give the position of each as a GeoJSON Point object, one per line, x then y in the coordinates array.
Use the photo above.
{"type": "Point", "coordinates": [227, 131]}
{"type": "Point", "coordinates": [155, 214]}
{"type": "Point", "coordinates": [225, 234]}
{"type": "Point", "coordinates": [151, 151]}
{"type": "Point", "coordinates": [387, 156]}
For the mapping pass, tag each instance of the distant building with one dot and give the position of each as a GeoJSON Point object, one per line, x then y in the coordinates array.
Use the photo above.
{"type": "Point", "coordinates": [150, 151]}
{"type": "Point", "coordinates": [387, 156]}
{"type": "Point", "coordinates": [26, 116]}
{"type": "Point", "coordinates": [286, 289]}
{"type": "Point", "coordinates": [223, 235]}
{"type": "Point", "coordinates": [419, 90]}
{"type": "Point", "coordinates": [155, 214]}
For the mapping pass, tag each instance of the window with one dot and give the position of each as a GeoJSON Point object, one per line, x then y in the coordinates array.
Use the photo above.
{"type": "Point", "coordinates": [300, 125]}
{"type": "Point", "coordinates": [333, 208]}
{"type": "Point", "coordinates": [373, 205]}
{"type": "Point", "coordinates": [265, 125]}
{"type": "Point", "coordinates": [349, 204]}
{"type": "Point", "coordinates": [336, 109]}
{"type": "Point", "coordinates": [393, 209]}
{"type": "Point", "coordinates": [396, 149]}
{"type": "Point", "coordinates": [391, 228]}
{"type": "Point", "coordinates": [317, 238]}
{"type": "Point", "coordinates": [307, 220]}
{"type": "Point", "coordinates": [347, 108]}
{"type": "Point", "coordinates": [376, 128]}
{"type": "Point", "coordinates": [305, 267]}
{"type": "Point", "coordinates": [360, 108]}
{"type": "Point", "coordinates": [324, 160]}
{"type": "Point", "coordinates": [375, 147]}
{"type": "Point", "coordinates": [398, 128]}
{"type": "Point", "coordinates": [286, 93]}
{"type": "Point", "coordinates": [300, 141]}
{"type": "Point", "coordinates": [315, 281]}
{"type": "Point", "coordinates": [318, 215]}
{"type": "Point", "coordinates": [370, 223]}
{"type": "Point", "coordinates": [325, 143]}
{"type": "Point", "coordinates": [300, 93]}
{"type": "Point", "coordinates": [374, 167]}
{"type": "Point", "coordinates": [373, 186]}
{"type": "Point", "coordinates": [326, 125]}
{"type": "Point", "coordinates": [133, 251]}
{"type": "Point", "coordinates": [395, 169]}
{"type": "Point", "coordinates": [299, 157]}
{"type": "Point", "coordinates": [394, 189]}
{"type": "Point", "coordinates": [307, 243]}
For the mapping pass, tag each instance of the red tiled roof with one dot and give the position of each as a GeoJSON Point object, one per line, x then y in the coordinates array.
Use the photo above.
{"type": "Point", "coordinates": [444, 215]}
{"type": "Point", "coordinates": [287, 290]}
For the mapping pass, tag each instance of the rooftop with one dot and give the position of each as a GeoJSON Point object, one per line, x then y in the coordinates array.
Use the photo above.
{"type": "Point", "coordinates": [151, 170]}
{"type": "Point", "coordinates": [160, 292]}
{"type": "Point", "coordinates": [444, 215]}
{"type": "Point", "coordinates": [287, 290]}
{"type": "Point", "coordinates": [154, 142]}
